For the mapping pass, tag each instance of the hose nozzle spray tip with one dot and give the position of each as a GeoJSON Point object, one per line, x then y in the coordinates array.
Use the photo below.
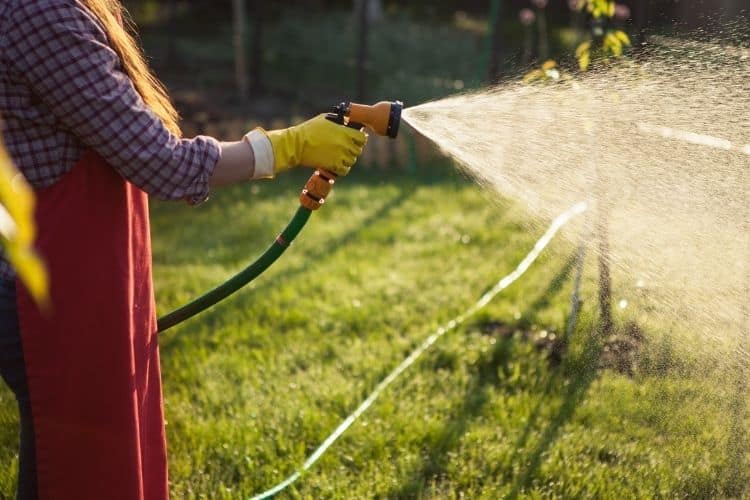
{"type": "Point", "coordinates": [383, 118]}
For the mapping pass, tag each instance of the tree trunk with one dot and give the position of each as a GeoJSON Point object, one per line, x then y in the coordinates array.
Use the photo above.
{"type": "Point", "coordinates": [240, 68]}
{"type": "Point", "coordinates": [642, 14]}
{"type": "Point", "coordinates": [256, 57]}
{"type": "Point", "coordinates": [493, 68]}
{"type": "Point", "coordinates": [171, 32]}
{"type": "Point", "coordinates": [528, 40]}
{"type": "Point", "coordinates": [601, 231]}
{"type": "Point", "coordinates": [541, 20]}
{"type": "Point", "coordinates": [363, 21]}
{"type": "Point", "coordinates": [605, 277]}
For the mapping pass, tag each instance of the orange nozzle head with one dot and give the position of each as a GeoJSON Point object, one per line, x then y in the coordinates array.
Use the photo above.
{"type": "Point", "coordinates": [382, 118]}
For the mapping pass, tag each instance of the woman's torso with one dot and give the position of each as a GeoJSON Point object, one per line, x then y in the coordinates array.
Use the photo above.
{"type": "Point", "coordinates": [41, 147]}
{"type": "Point", "coordinates": [63, 91]}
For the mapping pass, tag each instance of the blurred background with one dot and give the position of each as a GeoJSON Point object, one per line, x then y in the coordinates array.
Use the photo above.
{"type": "Point", "coordinates": [233, 64]}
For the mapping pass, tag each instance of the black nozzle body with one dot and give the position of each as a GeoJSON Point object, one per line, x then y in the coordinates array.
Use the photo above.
{"type": "Point", "coordinates": [395, 119]}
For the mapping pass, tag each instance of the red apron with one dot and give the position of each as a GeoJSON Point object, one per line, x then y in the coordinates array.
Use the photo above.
{"type": "Point", "coordinates": [92, 362]}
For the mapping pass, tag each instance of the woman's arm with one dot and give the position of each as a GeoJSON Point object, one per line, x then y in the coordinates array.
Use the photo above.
{"type": "Point", "coordinates": [63, 54]}
{"type": "Point", "coordinates": [237, 164]}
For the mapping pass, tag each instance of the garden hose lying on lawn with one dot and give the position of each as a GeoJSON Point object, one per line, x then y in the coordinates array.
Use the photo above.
{"type": "Point", "coordinates": [383, 119]}
{"type": "Point", "coordinates": [485, 299]}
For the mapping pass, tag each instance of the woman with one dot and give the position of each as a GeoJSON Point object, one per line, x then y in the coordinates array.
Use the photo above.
{"type": "Point", "coordinates": [95, 134]}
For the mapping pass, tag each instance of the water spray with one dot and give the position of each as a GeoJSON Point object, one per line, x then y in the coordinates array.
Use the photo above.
{"type": "Point", "coordinates": [382, 119]}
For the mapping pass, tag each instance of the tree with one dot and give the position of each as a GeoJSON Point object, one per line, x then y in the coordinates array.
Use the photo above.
{"type": "Point", "coordinates": [240, 67]}
{"type": "Point", "coordinates": [495, 40]}
{"type": "Point", "coordinates": [256, 48]}
{"type": "Point", "coordinates": [606, 41]}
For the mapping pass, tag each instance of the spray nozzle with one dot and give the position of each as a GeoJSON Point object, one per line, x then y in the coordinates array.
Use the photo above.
{"type": "Point", "coordinates": [382, 118]}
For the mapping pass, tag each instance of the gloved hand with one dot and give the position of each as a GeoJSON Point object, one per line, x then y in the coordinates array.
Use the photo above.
{"type": "Point", "coordinates": [317, 143]}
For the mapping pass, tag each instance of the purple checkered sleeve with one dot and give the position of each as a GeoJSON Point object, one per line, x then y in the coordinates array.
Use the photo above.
{"type": "Point", "coordinates": [62, 90]}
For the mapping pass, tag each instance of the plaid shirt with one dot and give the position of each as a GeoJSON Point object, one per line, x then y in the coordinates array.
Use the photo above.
{"type": "Point", "coordinates": [62, 91]}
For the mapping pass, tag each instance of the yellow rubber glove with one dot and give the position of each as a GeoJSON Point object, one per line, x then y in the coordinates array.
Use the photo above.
{"type": "Point", "coordinates": [317, 143]}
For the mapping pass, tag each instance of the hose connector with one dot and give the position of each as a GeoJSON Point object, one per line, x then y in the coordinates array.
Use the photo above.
{"type": "Point", "coordinates": [316, 190]}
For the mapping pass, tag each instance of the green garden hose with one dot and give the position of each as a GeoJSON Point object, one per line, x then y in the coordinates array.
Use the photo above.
{"type": "Point", "coordinates": [242, 278]}
{"type": "Point", "coordinates": [382, 118]}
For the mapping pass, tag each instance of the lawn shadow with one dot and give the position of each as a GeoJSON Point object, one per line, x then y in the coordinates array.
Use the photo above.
{"type": "Point", "coordinates": [582, 373]}
{"type": "Point", "coordinates": [736, 472]}
{"type": "Point", "coordinates": [543, 301]}
{"type": "Point", "coordinates": [473, 401]}
{"type": "Point", "coordinates": [229, 235]}
{"type": "Point", "coordinates": [326, 251]}
{"type": "Point", "coordinates": [335, 244]}
{"type": "Point", "coordinates": [476, 396]}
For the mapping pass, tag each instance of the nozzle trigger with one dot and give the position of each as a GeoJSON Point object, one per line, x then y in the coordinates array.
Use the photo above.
{"type": "Point", "coordinates": [335, 118]}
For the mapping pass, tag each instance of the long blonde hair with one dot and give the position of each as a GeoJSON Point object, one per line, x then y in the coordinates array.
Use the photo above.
{"type": "Point", "coordinates": [119, 26]}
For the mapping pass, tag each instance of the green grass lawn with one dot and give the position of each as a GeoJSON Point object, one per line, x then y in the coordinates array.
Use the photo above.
{"type": "Point", "coordinates": [254, 385]}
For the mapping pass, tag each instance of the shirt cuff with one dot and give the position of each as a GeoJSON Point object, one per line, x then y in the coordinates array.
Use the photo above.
{"type": "Point", "coordinates": [211, 150]}
{"type": "Point", "coordinates": [263, 152]}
